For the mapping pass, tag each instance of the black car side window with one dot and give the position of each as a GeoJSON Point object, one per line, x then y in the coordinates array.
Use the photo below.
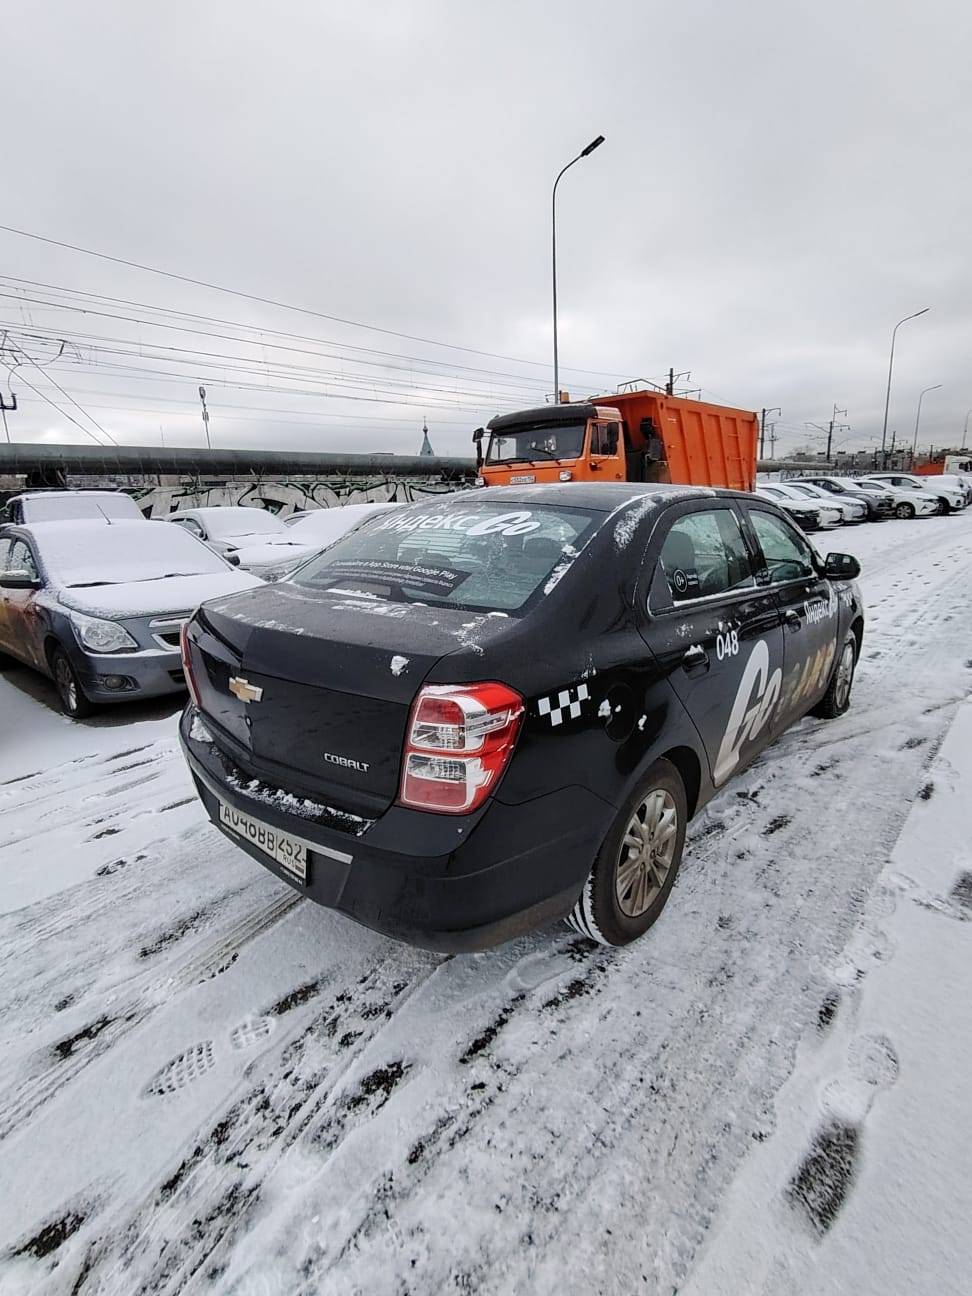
{"type": "Point", "coordinates": [705, 554]}
{"type": "Point", "coordinates": [787, 554]}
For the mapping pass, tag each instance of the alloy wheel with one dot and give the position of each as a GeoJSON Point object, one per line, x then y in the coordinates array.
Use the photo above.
{"type": "Point", "coordinates": [845, 676]}
{"type": "Point", "coordinates": [647, 853]}
{"type": "Point", "coordinates": [67, 685]}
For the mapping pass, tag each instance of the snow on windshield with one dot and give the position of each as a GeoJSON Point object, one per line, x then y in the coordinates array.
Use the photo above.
{"type": "Point", "coordinates": [237, 521]}
{"type": "Point", "coordinates": [326, 525]}
{"type": "Point", "coordinates": [95, 553]}
{"type": "Point", "coordinates": [477, 556]}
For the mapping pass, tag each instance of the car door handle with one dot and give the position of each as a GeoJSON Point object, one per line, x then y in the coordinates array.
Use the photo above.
{"type": "Point", "coordinates": [792, 619]}
{"type": "Point", "coordinates": [695, 658]}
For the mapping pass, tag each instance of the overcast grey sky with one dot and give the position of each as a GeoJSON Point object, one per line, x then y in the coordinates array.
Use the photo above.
{"type": "Point", "coordinates": [781, 182]}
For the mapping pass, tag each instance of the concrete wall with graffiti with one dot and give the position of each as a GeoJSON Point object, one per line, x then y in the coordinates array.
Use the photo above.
{"type": "Point", "coordinates": [285, 497]}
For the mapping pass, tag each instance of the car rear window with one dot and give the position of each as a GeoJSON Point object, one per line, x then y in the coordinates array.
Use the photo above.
{"type": "Point", "coordinates": [476, 555]}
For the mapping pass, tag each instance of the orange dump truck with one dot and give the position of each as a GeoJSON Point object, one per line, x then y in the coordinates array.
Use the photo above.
{"type": "Point", "coordinates": [642, 436]}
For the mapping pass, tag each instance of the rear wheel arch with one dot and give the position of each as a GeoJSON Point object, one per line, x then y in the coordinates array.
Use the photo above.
{"type": "Point", "coordinates": [689, 767]}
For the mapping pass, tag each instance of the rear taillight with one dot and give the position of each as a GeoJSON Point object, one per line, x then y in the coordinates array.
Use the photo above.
{"type": "Point", "coordinates": [460, 739]}
{"type": "Point", "coordinates": [187, 664]}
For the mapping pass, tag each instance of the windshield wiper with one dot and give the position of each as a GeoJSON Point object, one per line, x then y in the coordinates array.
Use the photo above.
{"type": "Point", "coordinates": [90, 584]}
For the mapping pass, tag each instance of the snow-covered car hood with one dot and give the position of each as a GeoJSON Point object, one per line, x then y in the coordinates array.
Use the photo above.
{"type": "Point", "coordinates": [155, 597]}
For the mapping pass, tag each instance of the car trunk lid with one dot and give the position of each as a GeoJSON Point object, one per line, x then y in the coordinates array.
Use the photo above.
{"type": "Point", "coordinates": [314, 689]}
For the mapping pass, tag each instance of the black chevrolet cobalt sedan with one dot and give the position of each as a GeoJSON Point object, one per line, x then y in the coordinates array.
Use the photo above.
{"type": "Point", "coordinates": [486, 711]}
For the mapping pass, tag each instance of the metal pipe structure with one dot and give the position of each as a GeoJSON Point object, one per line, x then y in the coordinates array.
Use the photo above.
{"type": "Point", "coordinates": [921, 397]}
{"type": "Point", "coordinates": [887, 398]}
{"type": "Point", "coordinates": [24, 457]}
{"type": "Point", "coordinates": [596, 143]}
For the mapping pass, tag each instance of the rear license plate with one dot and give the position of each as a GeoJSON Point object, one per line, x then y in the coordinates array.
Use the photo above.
{"type": "Point", "coordinates": [288, 852]}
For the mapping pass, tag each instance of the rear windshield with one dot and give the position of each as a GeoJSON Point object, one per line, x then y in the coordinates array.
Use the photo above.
{"type": "Point", "coordinates": [52, 508]}
{"type": "Point", "coordinates": [478, 556]}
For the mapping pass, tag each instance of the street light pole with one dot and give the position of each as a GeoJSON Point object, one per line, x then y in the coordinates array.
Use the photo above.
{"type": "Point", "coordinates": [887, 398]}
{"type": "Point", "coordinates": [965, 434]}
{"type": "Point", "coordinates": [921, 397]}
{"type": "Point", "coordinates": [553, 227]}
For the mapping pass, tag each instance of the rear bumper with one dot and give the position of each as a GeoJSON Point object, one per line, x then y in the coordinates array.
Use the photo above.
{"type": "Point", "coordinates": [441, 882]}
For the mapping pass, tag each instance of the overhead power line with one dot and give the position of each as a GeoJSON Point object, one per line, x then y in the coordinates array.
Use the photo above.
{"type": "Point", "coordinates": [256, 328]}
{"type": "Point", "coordinates": [54, 405]}
{"type": "Point", "coordinates": [270, 301]}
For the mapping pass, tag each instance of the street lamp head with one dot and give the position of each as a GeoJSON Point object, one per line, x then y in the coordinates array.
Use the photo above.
{"type": "Point", "coordinates": [593, 145]}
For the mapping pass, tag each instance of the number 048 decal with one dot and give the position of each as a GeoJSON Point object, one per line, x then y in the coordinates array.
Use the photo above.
{"type": "Point", "coordinates": [727, 645]}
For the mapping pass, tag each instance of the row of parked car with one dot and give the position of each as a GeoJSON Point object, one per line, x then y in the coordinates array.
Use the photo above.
{"type": "Point", "coordinates": [819, 503]}
{"type": "Point", "coordinates": [94, 595]}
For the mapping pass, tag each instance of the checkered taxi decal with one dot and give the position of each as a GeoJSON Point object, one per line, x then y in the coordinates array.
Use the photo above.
{"type": "Point", "coordinates": [568, 702]}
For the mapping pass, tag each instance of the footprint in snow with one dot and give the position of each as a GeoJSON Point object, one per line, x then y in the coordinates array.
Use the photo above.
{"type": "Point", "coordinates": [182, 1070]}
{"type": "Point", "coordinates": [252, 1030]}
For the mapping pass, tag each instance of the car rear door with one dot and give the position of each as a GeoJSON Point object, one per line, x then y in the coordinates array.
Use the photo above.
{"type": "Point", "coordinates": [715, 631]}
{"type": "Point", "coordinates": [808, 605]}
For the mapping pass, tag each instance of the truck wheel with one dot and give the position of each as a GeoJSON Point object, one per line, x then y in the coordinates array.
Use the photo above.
{"type": "Point", "coordinates": [837, 698]}
{"type": "Point", "coordinates": [904, 510]}
{"type": "Point", "coordinates": [69, 690]}
{"type": "Point", "coordinates": [636, 866]}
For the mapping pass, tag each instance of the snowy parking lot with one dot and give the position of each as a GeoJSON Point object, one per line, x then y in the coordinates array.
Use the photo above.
{"type": "Point", "coordinates": [207, 1083]}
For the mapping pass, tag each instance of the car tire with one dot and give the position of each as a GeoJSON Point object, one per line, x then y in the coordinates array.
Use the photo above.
{"type": "Point", "coordinates": [70, 694]}
{"type": "Point", "coordinates": [636, 867]}
{"type": "Point", "coordinates": [837, 698]}
{"type": "Point", "coordinates": [904, 510]}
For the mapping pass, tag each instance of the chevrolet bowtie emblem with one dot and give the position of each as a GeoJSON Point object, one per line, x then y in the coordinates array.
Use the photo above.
{"type": "Point", "coordinates": [244, 690]}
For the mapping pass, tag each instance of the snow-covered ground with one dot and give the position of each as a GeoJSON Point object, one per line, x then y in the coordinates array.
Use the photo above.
{"type": "Point", "coordinates": [207, 1084]}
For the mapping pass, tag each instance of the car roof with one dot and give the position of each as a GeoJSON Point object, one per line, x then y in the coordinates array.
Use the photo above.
{"type": "Point", "coordinates": [63, 525]}
{"type": "Point", "coordinates": [602, 497]}
{"type": "Point", "coordinates": [61, 494]}
{"type": "Point", "coordinates": [208, 510]}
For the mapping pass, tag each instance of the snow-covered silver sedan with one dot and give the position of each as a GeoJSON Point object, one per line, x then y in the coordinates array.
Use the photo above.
{"type": "Point", "coordinates": [280, 554]}
{"type": "Point", "coordinates": [98, 606]}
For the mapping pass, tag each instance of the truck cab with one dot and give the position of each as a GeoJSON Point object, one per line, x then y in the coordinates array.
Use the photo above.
{"type": "Point", "coordinates": [575, 442]}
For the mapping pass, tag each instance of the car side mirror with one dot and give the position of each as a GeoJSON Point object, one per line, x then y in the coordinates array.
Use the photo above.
{"type": "Point", "coordinates": [233, 559]}
{"type": "Point", "coordinates": [477, 437]}
{"type": "Point", "coordinates": [19, 578]}
{"type": "Point", "coordinates": [840, 566]}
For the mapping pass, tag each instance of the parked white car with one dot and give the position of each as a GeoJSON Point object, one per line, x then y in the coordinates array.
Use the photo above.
{"type": "Point", "coordinates": [850, 510]}
{"type": "Point", "coordinates": [949, 497]}
{"type": "Point", "coordinates": [806, 513]}
{"type": "Point", "coordinates": [281, 554]}
{"type": "Point", "coordinates": [906, 503]}
{"type": "Point", "coordinates": [66, 505]}
{"type": "Point", "coordinates": [229, 528]}
{"type": "Point", "coordinates": [948, 480]}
